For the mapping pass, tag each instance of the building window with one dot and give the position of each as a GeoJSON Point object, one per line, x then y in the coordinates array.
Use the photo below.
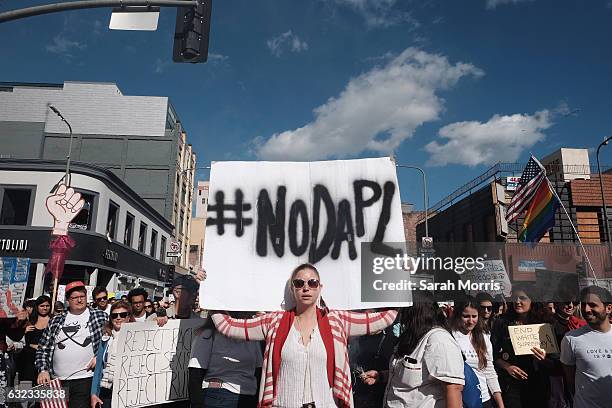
{"type": "Point", "coordinates": [142, 236]}
{"type": "Point", "coordinates": [129, 229]}
{"type": "Point", "coordinates": [111, 220]}
{"type": "Point", "coordinates": [15, 208]}
{"type": "Point", "coordinates": [199, 192]}
{"type": "Point", "coordinates": [181, 221]}
{"type": "Point", "coordinates": [162, 250]}
{"type": "Point", "coordinates": [85, 218]}
{"type": "Point", "coordinates": [183, 191]}
{"type": "Point", "coordinates": [153, 247]}
{"type": "Point", "coordinates": [203, 201]}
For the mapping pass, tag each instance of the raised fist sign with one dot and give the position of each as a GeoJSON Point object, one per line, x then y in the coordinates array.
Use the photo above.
{"type": "Point", "coordinates": [64, 205]}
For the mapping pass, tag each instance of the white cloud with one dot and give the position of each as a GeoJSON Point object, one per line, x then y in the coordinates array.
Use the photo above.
{"type": "Point", "coordinates": [379, 13]}
{"type": "Point", "coordinates": [501, 138]}
{"type": "Point", "coordinates": [64, 46]}
{"type": "Point", "coordinates": [492, 4]}
{"type": "Point", "coordinates": [212, 57]}
{"type": "Point", "coordinates": [376, 111]}
{"type": "Point", "coordinates": [161, 65]}
{"type": "Point", "coordinates": [286, 41]}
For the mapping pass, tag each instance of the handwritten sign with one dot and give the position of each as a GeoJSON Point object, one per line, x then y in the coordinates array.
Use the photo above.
{"type": "Point", "coordinates": [526, 336]}
{"type": "Point", "coordinates": [151, 363]}
{"type": "Point", "coordinates": [494, 270]}
{"type": "Point", "coordinates": [266, 218]}
{"type": "Point", "coordinates": [13, 282]}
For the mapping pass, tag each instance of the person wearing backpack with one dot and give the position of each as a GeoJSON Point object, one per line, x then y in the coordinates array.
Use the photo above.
{"type": "Point", "coordinates": [426, 370]}
{"type": "Point", "coordinates": [469, 331]}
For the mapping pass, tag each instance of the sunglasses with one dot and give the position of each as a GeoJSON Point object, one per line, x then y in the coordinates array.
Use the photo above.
{"type": "Point", "coordinates": [149, 307]}
{"type": "Point", "coordinates": [522, 298]}
{"type": "Point", "coordinates": [299, 283]}
{"type": "Point", "coordinates": [487, 308]}
{"type": "Point", "coordinates": [122, 315]}
{"type": "Point", "coordinates": [101, 298]}
{"type": "Point", "coordinates": [570, 303]}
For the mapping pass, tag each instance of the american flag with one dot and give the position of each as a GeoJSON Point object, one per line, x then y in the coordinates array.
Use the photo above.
{"type": "Point", "coordinates": [533, 175]}
{"type": "Point", "coordinates": [54, 384]}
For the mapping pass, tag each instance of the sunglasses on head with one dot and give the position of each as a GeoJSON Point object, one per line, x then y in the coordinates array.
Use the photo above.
{"type": "Point", "coordinates": [122, 315]}
{"type": "Point", "coordinates": [299, 283]}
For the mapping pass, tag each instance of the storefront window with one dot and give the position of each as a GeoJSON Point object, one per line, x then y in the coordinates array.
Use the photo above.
{"type": "Point", "coordinates": [129, 230]}
{"type": "Point", "coordinates": [15, 208]}
{"type": "Point", "coordinates": [111, 221]}
{"type": "Point", "coordinates": [162, 251]}
{"type": "Point", "coordinates": [142, 237]}
{"type": "Point", "coordinates": [153, 247]}
{"type": "Point", "coordinates": [86, 216]}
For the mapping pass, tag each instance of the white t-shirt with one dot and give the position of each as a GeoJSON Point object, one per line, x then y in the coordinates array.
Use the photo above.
{"type": "Point", "coordinates": [142, 318]}
{"type": "Point", "coordinates": [471, 358]}
{"type": "Point", "coordinates": [73, 348]}
{"type": "Point", "coordinates": [416, 381]}
{"type": "Point", "coordinates": [234, 362]}
{"type": "Point", "coordinates": [590, 351]}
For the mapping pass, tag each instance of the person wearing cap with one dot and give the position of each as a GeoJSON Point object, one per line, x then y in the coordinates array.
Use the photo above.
{"type": "Point", "coordinates": [68, 346]}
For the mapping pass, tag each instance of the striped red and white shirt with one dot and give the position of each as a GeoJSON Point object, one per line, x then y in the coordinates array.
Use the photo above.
{"type": "Point", "coordinates": [343, 324]}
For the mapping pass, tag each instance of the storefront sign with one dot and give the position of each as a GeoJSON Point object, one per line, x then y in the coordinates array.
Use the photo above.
{"type": "Point", "coordinates": [512, 183]}
{"type": "Point", "coordinates": [14, 245]}
{"type": "Point", "coordinates": [110, 255]}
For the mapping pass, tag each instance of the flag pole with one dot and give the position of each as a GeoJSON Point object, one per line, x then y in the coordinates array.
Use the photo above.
{"type": "Point", "coordinates": [574, 228]}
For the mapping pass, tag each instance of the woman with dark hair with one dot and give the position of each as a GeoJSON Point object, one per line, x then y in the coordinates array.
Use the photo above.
{"type": "Point", "coordinates": [306, 359]}
{"type": "Point", "coordinates": [524, 382]}
{"type": "Point", "coordinates": [468, 329]}
{"type": "Point", "coordinates": [37, 323]}
{"type": "Point", "coordinates": [427, 368]}
{"type": "Point", "coordinates": [102, 382]}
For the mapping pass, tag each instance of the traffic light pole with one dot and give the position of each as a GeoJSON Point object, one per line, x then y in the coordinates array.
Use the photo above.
{"type": "Point", "coordinates": [86, 4]}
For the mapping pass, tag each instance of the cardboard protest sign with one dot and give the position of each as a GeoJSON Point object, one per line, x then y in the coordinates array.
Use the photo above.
{"type": "Point", "coordinates": [266, 218]}
{"type": "Point", "coordinates": [526, 336]}
{"type": "Point", "coordinates": [13, 281]}
{"type": "Point", "coordinates": [495, 271]}
{"type": "Point", "coordinates": [151, 363]}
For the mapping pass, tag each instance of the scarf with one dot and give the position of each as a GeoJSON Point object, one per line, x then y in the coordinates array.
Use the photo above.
{"type": "Point", "coordinates": [282, 333]}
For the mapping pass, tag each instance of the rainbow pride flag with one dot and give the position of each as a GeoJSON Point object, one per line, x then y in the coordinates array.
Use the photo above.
{"type": "Point", "coordinates": [540, 216]}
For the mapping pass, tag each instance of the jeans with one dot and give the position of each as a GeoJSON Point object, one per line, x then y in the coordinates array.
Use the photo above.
{"type": "Point", "coordinates": [222, 398]}
{"type": "Point", "coordinates": [79, 392]}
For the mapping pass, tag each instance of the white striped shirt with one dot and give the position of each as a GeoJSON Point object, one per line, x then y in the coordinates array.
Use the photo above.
{"type": "Point", "coordinates": [302, 376]}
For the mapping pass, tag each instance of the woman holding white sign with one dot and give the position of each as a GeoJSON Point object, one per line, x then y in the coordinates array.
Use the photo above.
{"type": "Point", "coordinates": [102, 383]}
{"type": "Point", "coordinates": [524, 381]}
{"type": "Point", "coordinates": [469, 331]}
{"type": "Point", "coordinates": [306, 358]}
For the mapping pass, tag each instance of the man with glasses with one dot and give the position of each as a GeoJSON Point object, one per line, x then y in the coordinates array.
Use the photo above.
{"type": "Point", "coordinates": [100, 298]}
{"type": "Point", "coordinates": [68, 346]}
{"type": "Point", "coordinates": [137, 298]}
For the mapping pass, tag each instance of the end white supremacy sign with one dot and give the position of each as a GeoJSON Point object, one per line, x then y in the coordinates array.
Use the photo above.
{"type": "Point", "coordinates": [266, 218]}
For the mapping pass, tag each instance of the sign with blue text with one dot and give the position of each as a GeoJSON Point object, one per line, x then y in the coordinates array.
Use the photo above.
{"type": "Point", "coordinates": [13, 282]}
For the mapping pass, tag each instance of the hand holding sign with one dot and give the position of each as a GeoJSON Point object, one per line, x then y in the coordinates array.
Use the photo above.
{"type": "Point", "coordinates": [64, 205]}
{"type": "Point", "coordinates": [536, 339]}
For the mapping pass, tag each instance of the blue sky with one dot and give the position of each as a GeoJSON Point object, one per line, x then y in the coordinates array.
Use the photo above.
{"type": "Point", "coordinates": [453, 86]}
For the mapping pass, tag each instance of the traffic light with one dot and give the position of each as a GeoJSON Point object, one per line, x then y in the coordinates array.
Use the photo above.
{"type": "Point", "coordinates": [170, 276]}
{"type": "Point", "coordinates": [192, 32]}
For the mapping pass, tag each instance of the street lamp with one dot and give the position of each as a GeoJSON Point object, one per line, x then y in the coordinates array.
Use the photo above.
{"type": "Point", "coordinates": [58, 113]}
{"type": "Point", "coordinates": [603, 196]}
{"type": "Point", "coordinates": [425, 196]}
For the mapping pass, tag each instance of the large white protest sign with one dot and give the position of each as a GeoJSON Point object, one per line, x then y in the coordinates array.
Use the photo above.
{"type": "Point", "coordinates": [265, 218]}
{"type": "Point", "coordinates": [493, 271]}
{"type": "Point", "coordinates": [13, 281]}
{"type": "Point", "coordinates": [151, 363]}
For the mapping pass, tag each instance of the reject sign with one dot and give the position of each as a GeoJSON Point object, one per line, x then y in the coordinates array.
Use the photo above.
{"type": "Point", "coordinates": [526, 336]}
